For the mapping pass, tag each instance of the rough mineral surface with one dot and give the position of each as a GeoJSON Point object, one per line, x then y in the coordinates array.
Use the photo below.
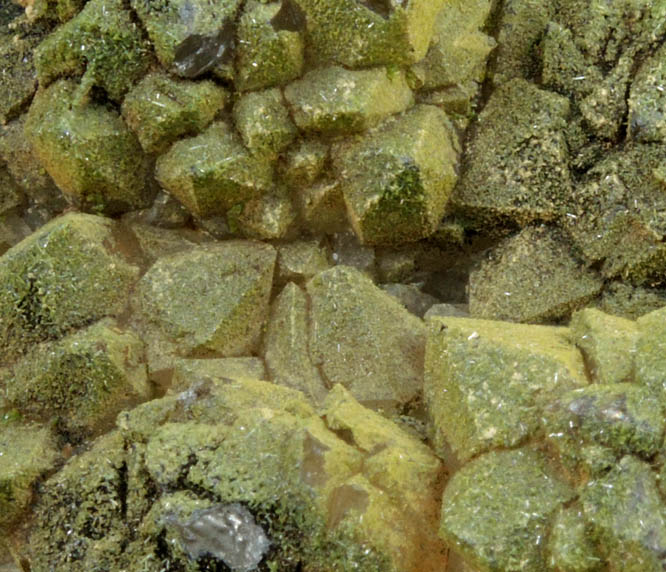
{"type": "Point", "coordinates": [623, 417]}
{"type": "Point", "coordinates": [190, 37]}
{"type": "Point", "coordinates": [231, 283]}
{"type": "Point", "coordinates": [287, 345]}
{"type": "Point", "coordinates": [263, 120]}
{"type": "Point", "coordinates": [316, 499]}
{"type": "Point", "coordinates": [518, 160]}
{"type": "Point", "coordinates": [625, 511]}
{"type": "Point", "coordinates": [212, 172]}
{"type": "Point", "coordinates": [27, 452]}
{"type": "Point", "coordinates": [88, 150]}
{"type": "Point", "coordinates": [363, 339]}
{"type": "Point", "coordinates": [362, 34]}
{"type": "Point", "coordinates": [64, 276]}
{"type": "Point", "coordinates": [486, 382]}
{"type": "Point", "coordinates": [611, 207]}
{"type": "Point", "coordinates": [496, 510]}
{"type": "Point", "coordinates": [82, 381]}
{"type": "Point", "coordinates": [161, 109]}
{"type": "Point", "coordinates": [397, 179]}
{"type": "Point", "coordinates": [188, 373]}
{"type": "Point", "coordinates": [335, 100]}
{"type": "Point", "coordinates": [270, 49]}
{"type": "Point", "coordinates": [531, 277]}
{"type": "Point", "coordinates": [102, 43]}
{"type": "Point", "coordinates": [289, 186]}
{"type": "Point", "coordinates": [608, 344]}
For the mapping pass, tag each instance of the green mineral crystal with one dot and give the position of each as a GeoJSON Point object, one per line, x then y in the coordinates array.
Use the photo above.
{"type": "Point", "coordinates": [486, 382]}
{"type": "Point", "coordinates": [650, 358]}
{"type": "Point", "coordinates": [188, 373]}
{"type": "Point", "coordinates": [459, 49]}
{"type": "Point", "coordinates": [618, 215]}
{"type": "Point", "coordinates": [231, 283]}
{"type": "Point", "coordinates": [18, 70]}
{"type": "Point", "coordinates": [517, 162]}
{"type": "Point", "coordinates": [531, 277]}
{"type": "Point", "coordinates": [647, 100]}
{"type": "Point", "coordinates": [190, 37]}
{"type": "Point", "coordinates": [363, 339]}
{"type": "Point", "coordinates": [608, 344]}
{"type": "Point", "coordinates": [212, 172]}
{"type": "Point", "coordinates": [300, 260]}
{"type": "Point", "coordinates": [364, 34]}
{"type": "Point", "coordinates": [268, 217]}
{"type": "Point", "coordinates": [263, 121]}
{"type": "Point", "coordinates": [89, 151]}
{"type": "Point", "coordinates": [335, 100]}
{"type": "Point", "coordinates": [102, 44]}
{"type": "Point", "coordinates": [304, 162]}
{"type": "Point", "coordinates": [268, 54]}
{"type": "Point", "coordinates": [626, 513]}
{"type": "Point", "coordinates": [623, 417]}
{"type": "Point", "coordinates": [396, 180]}
{"type": "Point", "coordinates": [83, 380]}
{"type": "Point", "coordinates": [66, 275]}
{"type": "Point", "coordinates": [286, 345]}
{"type": "Point", "coordinates": [161, 109]}
{"type": "Point", "coordinates": [27, 452]}
{"type": "Point", "coordinates": [571, 545]}
{"type": "Point", "coordinates": [496, 510]}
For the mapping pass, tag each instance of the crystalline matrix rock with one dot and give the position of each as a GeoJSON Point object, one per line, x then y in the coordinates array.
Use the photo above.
{"type": "Point", "coordinates": [332, 285]}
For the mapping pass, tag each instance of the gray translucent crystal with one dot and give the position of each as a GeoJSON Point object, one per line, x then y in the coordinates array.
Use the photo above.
{"type": "Point", "coordinates": [198, 53]}
{"type": "Point", "coordinates": [226, 532]}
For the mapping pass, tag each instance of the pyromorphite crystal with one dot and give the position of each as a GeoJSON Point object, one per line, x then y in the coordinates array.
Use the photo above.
{"type": "Point", "coordinates": [363, 339]}
{"type": "Point", "coordinates": [496, 510]}
{"type": "Point", "coordinates": [300, 260]}
{"type": "Point", "coordinates": [363, 34]}
{"type": "Point", "coordinates": [66, 275]}
{"type": "Point", "coordinates": [394, 461]}
{"type": "Point", "coordinates": [531, 277]}
{"type": "Point", "coordinates": [212, 172]}
{"type": "Point", "coordinates": [650, 358]}
{"type": "Point", "coordinates": [571, 546]}
{"type": "Point", "coordinates": [396, 180]}
{"type": "Point", "coordinates": [286, 345]}
{"type": "Point", "coordinates": [321, 500]}
{"type": "Point", "coordinates": [335, 100]}
{"type": "Point", "coordinates": [83, 380]}
{"type": "Point", "coordinates": [517, 160]}
{"type": "Point", "coordinates": [263, 120]}
{"type": "Point", "coordinates": [160, 109]}
{"type": "Point", "coordinates": [191, 373]}
{"type": "Point", "coordinates": [268, 217]}
{"type": "Point", "coordinates": [624, 417]}
{"type": "Point", "coordinates": [26, 452]}
{"type": "Point", "coordinates": [647, 100]}
{"type": "Point", "coordinates": [486, 382]}
{"type": "Point", "coordinates": [270, 45]}
{"type": "Point", "coordinates": [304, 161]}
{"type": "Point", "coordinates": [520, 30]}
{"type": "Point", "coordinates": [231, 283]}
{"type": "Point", "coordinates": [19, 80]}
{"type": "Point", "coordinates": [88, 150]}
{"type": "Point", "coordinates": [619, 212]}
{"type": "Point", "coordinates": [97, 522]}
{"type": "Point", "coordinates": [459, 49]}
{"type": "Point", "coordinates": [608, 343]}
{"type": "Point", "coordinates": [102, 43]}
{"type": "Point", "coordinates": [626, 513]}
